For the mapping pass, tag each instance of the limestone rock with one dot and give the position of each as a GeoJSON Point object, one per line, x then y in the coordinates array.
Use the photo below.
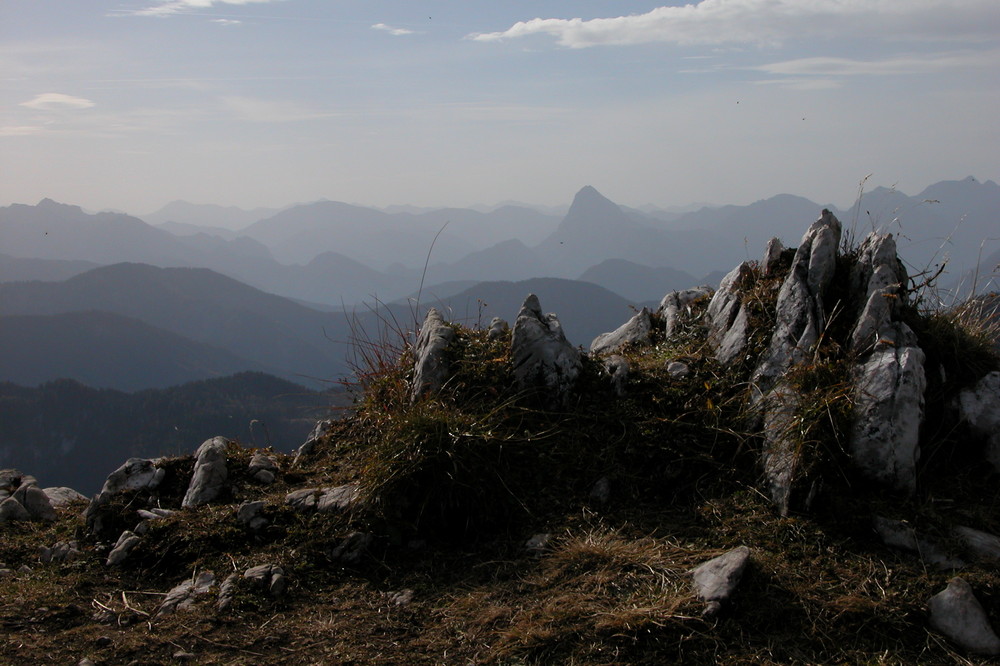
{"type": "Point", "coordinates": [675, 307]}
{"type": "Point", "coordinates": [728, 320]}
{"type": "Point", "coordinates": [227, 593]}
{"type": "Point", "coordinates": [543, 358]}
{"type": "Point", "coordinates": [36, 502]}
{"type": "Point", "coordinates": [61, 496]}
{"type": "Point", "coordinates": [979, 406]}
{"type": "Point", "coordinates": [61, 551]}
{"type": "Point", "coordinates": [321, 429]}
{"type": "Point", "coordinates": [715, 580]}
{"type": "Point", "coordinates": [981, 545]}
{"type": "Point", "coordinates": [251, 515]}
{"type": "Point", "coordinates": [269, 577]}
{"type": "Point", "coordinates": [134, 474]}
{"type": "Point", "coordinates": [898, 534]}
{"type": "Point", "coordinates": [430, 369]}
{"type": "Point", "coordinates": [499, 329]}
{"type": "Point", "coordinates": [600, 493]}
{"type": "Point", "coordinates": [772, 256]}
{"type": "Point", "coordinates": [210, 473]}
{"type": "Point", "coordinates": [324, 500]}
{"type": "Point", "coordinates": [401, 597]}
{"type": "Point", "coordinates": [637, 331]}
{"type": "Point", "coordinates": [616, 367]}
{"type": "Point", "coordinates": [956, 613]}
{"type": "Point", "coordinates": [889, 408]}
{"type": "Point", "coordinates": [11, 510]}
{"type": "Point", "coordinates": [351, 548]}
{"type": "Point", "coordinates": [263, 468]}
{"type": "Point", "coordinates": [184, 596]}
{"type": "Point", "coordinates": [878, 282]}
{"type": "Point", "coordinates": [126, 542]}
{"type": "Point", "coordinates": [11, 480]}
{"type": "Point", "coordinates": [678, 369]}
{"type": "Point", "coordinates": [539, 544]}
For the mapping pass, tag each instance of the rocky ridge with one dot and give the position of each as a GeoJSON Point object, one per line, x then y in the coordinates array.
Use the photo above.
{"type": "Point", "coordinates": [807, 378]}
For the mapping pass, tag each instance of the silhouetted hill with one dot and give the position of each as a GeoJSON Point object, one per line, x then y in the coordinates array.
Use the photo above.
{"type": "Point", "coordinates": [16, 269]}
{"type": "Point", "coordinates": [74, 434]}
{"type": "Point", "coordinates": [636, 281]}
{"type": "Point", "coordinates": [201, 216]}
{"type": "Point", "coordinates": [106, 350]}
{"type": "Point", "coordinates": [267, 330]}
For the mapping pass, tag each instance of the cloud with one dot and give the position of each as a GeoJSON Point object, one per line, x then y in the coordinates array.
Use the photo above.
{"type": "Point", "coordinates": [20, 130]}
{"type": "Point", "coordinates": [57, 101]}
{"type": "Point", "coordinates": [392, 31]}
{"type": "Point", "coordinates": [170, 7]}
{"type": "Point", "coordinates": [227, 21]}
{"type": "Point", "coordinates": [768, 22]}
{"type": "Point", "coordinates": [896, 65]}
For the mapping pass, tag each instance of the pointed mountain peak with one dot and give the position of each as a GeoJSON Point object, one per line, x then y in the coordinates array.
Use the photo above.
{"type": "Point", "coordinates": [589, 201]}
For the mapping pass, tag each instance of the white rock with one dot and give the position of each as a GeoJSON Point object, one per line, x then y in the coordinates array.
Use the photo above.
{"type": "Point", "coordinates": [210, 473]}
{"type": "Point", "coordinates": [430, 369]}
{"type": "Point", "coordinates": [715, 580]}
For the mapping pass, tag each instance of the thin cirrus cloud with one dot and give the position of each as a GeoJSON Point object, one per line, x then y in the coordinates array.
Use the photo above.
{"type": "Point", "coordinates": [391, 30]}
{"type": "Point", "coordinates": [899, 65]}
{"type": "Point", "coordinates": [57, 102]}
{"type": "Point", "coordinates": [766, 22]}
{"type": "Point", "coordinates": [170, 7]}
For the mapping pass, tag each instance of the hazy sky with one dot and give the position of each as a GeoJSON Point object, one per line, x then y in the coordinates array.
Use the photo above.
{"type": "Point", "coordinates": [130, 104]}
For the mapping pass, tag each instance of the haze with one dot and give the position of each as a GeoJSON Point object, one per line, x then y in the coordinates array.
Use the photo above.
{"type": "Point", "coordinates": [133, 103]}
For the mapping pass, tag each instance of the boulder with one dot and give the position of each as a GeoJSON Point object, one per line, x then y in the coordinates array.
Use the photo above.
{"type": "Point", "coordinates": [431, 368]}
{"type": "Point", "coordinates": [11, 510]}
{"type": "Point", "coordinates": [61, 551]}
{"type": "Point", "coordinates": [956, 613]}
{"type": "Point", "coordinates": [36, 502]}
{"type": "Point", "coordinates": [543, 358]}
{"type": "Point", "coordinates": [898, 534]}
{"type": "Point", "coordinates": [678, 369]}
{"type": "Point", "coordinates": [715, 580]}
{"type": "Point", "coordinates": [877, 282]}
{"type": "Point", "coordinates": [269, 577]}
{"type": "Point", "coordinates": [134, 474]}
{"type": "Point", "coordinates": [263, 468]}
{"type": "Point", "coordinates": [351, 548]}
{"type": "Point", "coordinates": [61, 496]}
{"type": "Point", "coordinates": [772, 256]}
{"type": "Point", "coordinates": [251, 515]}
{"type": "Point", "coordinates": [324, 500]}
{"type": "Point", "coordinates": [227, 592]}
{"type": "Point", "coordinates": [637, 331]}
{"type": "Point", "coordinates": [126, 542]}
{"type": "Point", "coordinates": [210, 473]}
{"type": "Point", "coordinates": [980, 545]}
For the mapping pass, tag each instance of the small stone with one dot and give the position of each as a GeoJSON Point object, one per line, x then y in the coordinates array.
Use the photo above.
{"type": "Point", "coordinates": [250, 515]}
{"type": "Point", "coordinates": [538, 544]}
{"type": "Point", "coordinates": [103, 641]}
{"type": "Point", "coordinates": [11, 510]}
{"type": "Point", "coordinates": [401, 598]}
{"type": "Point", "coordinates": [352, 547]}
{"type": "Point", "coordinates": [85, 662]}
{"type": "Point", "coordinates": [678, 369]}
{"type": "Point", "coordinates": [601, 492]}
{"type": "Point", "coordinates": [210, 473]}
{"type": "Point", "coordinates": [716, 580]}
{"type": "Point", "coordinates": [126, 542]}
{"type": "Point", "coordinates": [499, 329]}
{"type": "Point", "coordinates": [180, 655]}
{"type": "Point", "coordinates": [957, 614]}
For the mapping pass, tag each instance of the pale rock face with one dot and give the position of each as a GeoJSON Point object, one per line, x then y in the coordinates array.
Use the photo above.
{"type": "Point", "coordinates": [636, 331]}
{"type": "Point", "coordinates": [498, 329]}
{"type": "Point", "coordinates": [36, 502]}
{"type": "Point", "coordinates": [210, 473]}
{"type": "Point", "coordinates": [617, 369]}
{"type": "Point", "coordinates": [889, 408]}
{"type": "Point", "coordinates": [727, 316]}
{"type": "Point", "coordinates": [956, 613]}
{"type": "Point", "coordinates": [318, 433]}
{"type": "Point", "coordinates": [126, 542]}
{"type": "Point", "coordinates": [61, 496]}
{"type": "Point", "coordinates": [543, 358]}
{"type": "Point", "coordinates": [184, 596]}
{"type": "Point", "coordinates": [11, 510]}
{"type": "Point", "coordinates": [980, 408]}
{"type": "Point", "coordinates": [430, 370]}
{"type": "Point", "coordinates": [772, 255]}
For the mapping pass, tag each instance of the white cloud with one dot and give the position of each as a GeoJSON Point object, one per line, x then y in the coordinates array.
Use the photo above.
{"type": "Point", "coordinates": [769, 22]}
{"type": "Point", "coordinates": [896, 65]}
{"type": "Point", "coordinates": [227, 21]}
{"type": "Point", "coordinates": [20, 130]}
{"type": "Point", "coordinates": [170, 7]}
{"type": "Point", "coordinates": [392, 31]}
{"type": "Point", "coordinates": [56, 101]}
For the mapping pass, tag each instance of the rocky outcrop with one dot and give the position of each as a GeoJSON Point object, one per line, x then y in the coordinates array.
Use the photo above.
{"type": "Point", "coordinates": [543, 359]}
{"type": "Point", "coordinates": [889, 377]}
{"type": "Point", "coordinates": [22, 499]}
{"type": "Point", "coordinates": [61, 496]}
{"type": "Point", "coordinates": [210, 473]}
{"type": "Point", "coordinates": [263, 468]}
{"type": "Point", "coordinates": [431, 368]}
{"type": "Point", "coordinates": [134, 475]}
{"type": "Point", "coordinates": [319, 432]}
{"type": "Point", "coordinates": [184, 596]}
{"type": "Point", "coordinates": [324, 500]}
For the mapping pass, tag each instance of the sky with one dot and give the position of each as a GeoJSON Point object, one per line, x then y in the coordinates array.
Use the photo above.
{"type": "Point", "coordinates": [131, 104]}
